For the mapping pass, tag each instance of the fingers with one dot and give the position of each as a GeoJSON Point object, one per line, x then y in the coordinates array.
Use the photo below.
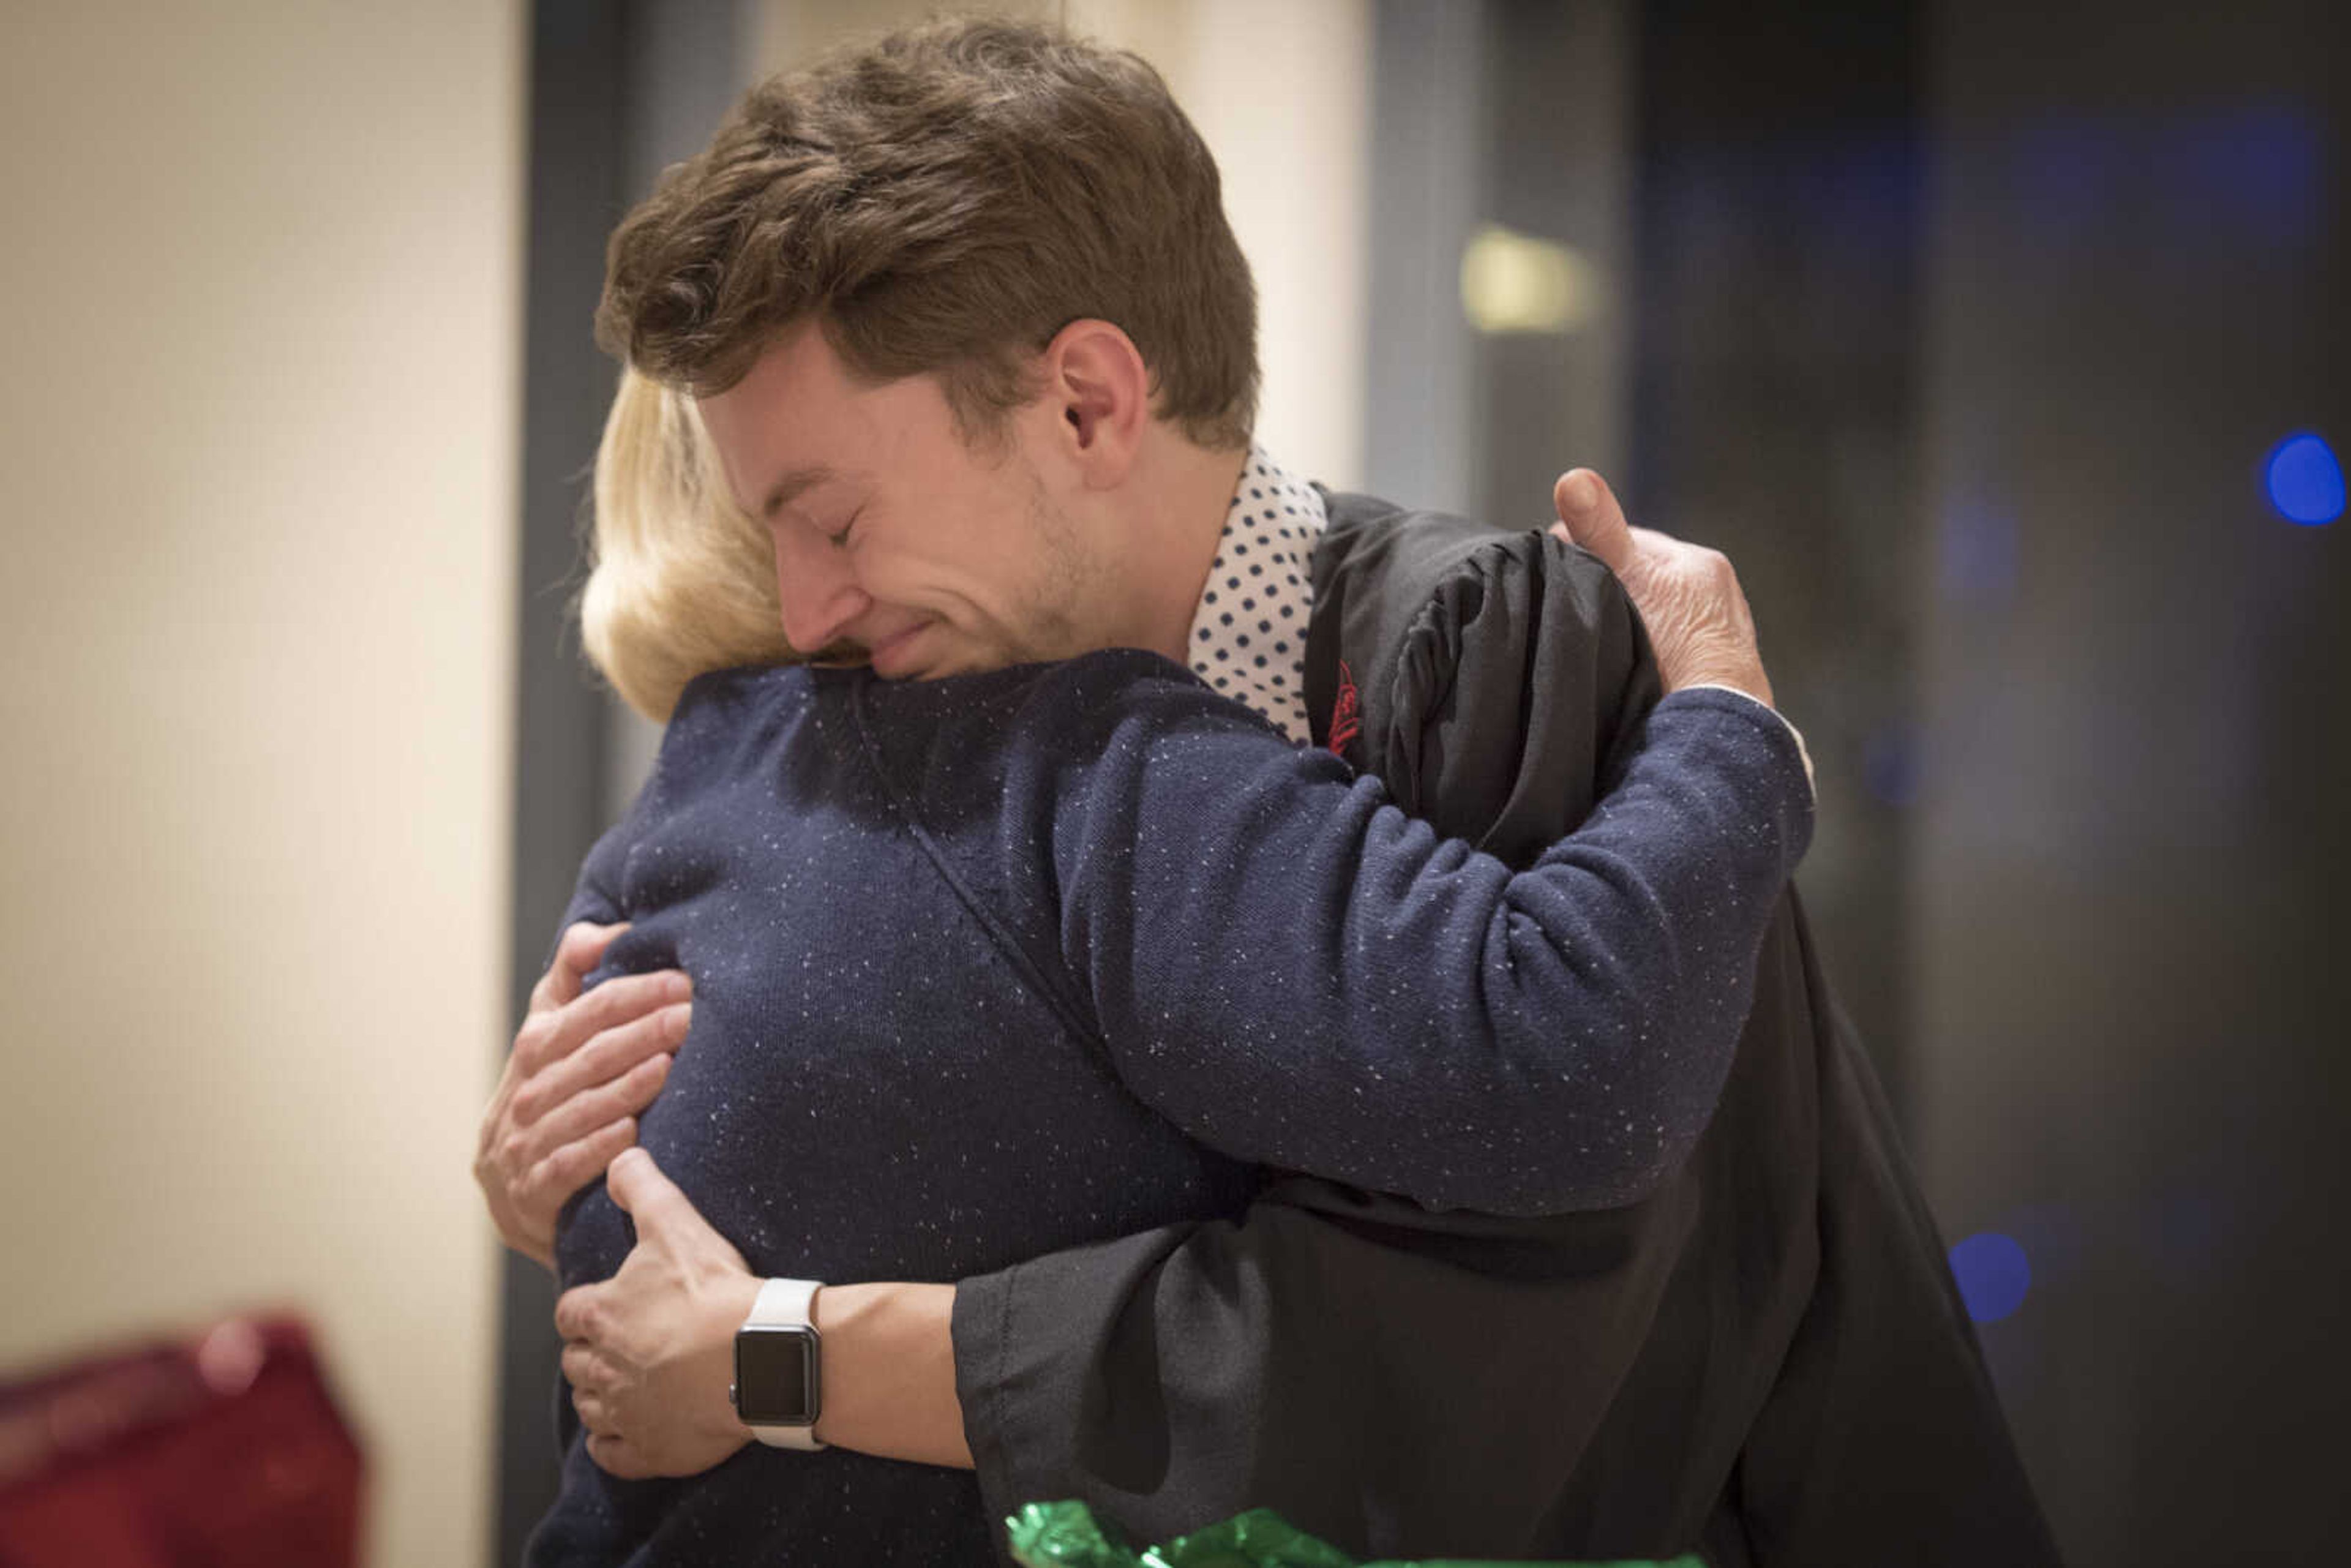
{"type": "Point", "coordinates": [528, 1170]}
{"type": "Point", "coordinates": [576, 952]}
{"type": "Point", "coordinates": [1689, 596]}
{"type": "Point", "coordinates": [548, 1183]}
{"type": "Point", "coordinates": [615, 1457]}
{"type": "Point", "coordinates": [582, 1113]}
{"type": "Point", "coordinates": [598, 1037]}
{"type": "Point", "coordinates": [567, 1100]}
{"type": "Point", "coordinates": [612, 1451]}
{"type": "Point", "coordinates": [552, 1033]}
{"type": "Point", "coordinates": [583, 1367]}
{"type": "Point", "coordinates": [665, 1217]}
{"type": "Point", "coordinates": [647, 1197]}
{"type": "Point", "coordinates": [1588, 510]}
{"type": "Point", "coordinates": [590, 1375]}
{"type": "Point", "coordinates": [594, 1382]}
{"type": "Point", "coordinates": [576, 1316]}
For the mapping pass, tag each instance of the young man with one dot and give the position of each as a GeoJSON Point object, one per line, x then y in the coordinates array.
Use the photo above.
{"type": "Point", "coordinates": [1021, 234]}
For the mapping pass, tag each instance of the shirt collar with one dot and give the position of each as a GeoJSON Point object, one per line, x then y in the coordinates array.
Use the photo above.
{"type": "Point", "coordinates": [1248, 633]}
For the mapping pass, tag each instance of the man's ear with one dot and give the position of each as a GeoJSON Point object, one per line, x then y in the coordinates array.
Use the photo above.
{"type": "Point", "coordinates": [1100, 389]}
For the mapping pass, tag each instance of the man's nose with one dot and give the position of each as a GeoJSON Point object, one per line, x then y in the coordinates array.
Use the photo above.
{"type": "Point", "coordinates": [816, 588]}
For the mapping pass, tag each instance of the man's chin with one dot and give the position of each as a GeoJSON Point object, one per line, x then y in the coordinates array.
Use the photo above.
{"type": "Point", "coordinates": [947, 668]}
{"type": "Point", "coordinates": [933, 652]}
{"type": "Point", "coordinates": [911, 654]}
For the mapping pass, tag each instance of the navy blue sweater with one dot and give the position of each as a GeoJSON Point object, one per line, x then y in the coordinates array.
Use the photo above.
{"type": "Point", "coordinates": [990, 967]}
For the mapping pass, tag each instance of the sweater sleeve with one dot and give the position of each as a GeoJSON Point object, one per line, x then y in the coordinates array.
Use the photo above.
{"type": "Point", "coordinates": [1294, 972]}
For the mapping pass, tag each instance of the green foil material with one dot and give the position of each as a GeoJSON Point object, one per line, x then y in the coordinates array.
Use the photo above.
{"type": "Point", "coordinates": [1066, 1535]}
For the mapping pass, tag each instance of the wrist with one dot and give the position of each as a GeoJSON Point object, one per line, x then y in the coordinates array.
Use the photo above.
{"type": "Point", "coordinates": [1744, 677]}
{"type": "Point", "coordinates": [845, 1317]}
{"type": "Point", "coordinates": [889, 1359]}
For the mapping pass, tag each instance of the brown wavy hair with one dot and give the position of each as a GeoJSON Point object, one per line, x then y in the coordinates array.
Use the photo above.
{"type": "Point", "coordinates": [945, 199]}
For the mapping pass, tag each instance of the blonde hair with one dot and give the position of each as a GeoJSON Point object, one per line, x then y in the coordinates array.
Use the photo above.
{"type": "Point", "coordinates": [681, 582]}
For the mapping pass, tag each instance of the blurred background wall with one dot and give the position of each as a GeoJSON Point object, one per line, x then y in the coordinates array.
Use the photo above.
{"type": "Point", "coordinates": [256, 610]}
{"type": "Point", "coordinates": [2132, 826]}
{"type": "Point", "coordinates": [1968, 331]}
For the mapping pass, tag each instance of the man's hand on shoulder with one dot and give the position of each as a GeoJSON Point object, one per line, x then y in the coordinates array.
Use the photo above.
{"type": "Point", "coordinates": [584, 1064]}
{"type": "Point", "coordinates": [1688, 595]}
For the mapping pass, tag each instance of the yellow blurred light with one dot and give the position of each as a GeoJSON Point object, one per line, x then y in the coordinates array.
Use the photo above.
{"type": "Point", "coordinates": [1513, 282]}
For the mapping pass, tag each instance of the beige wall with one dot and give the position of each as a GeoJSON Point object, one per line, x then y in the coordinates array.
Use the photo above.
{"type": "Point", "coordinates": [257, 476]}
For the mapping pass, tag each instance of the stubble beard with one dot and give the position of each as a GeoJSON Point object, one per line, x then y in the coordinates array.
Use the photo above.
{"type": "Point", "coordinates": [1067, 595]}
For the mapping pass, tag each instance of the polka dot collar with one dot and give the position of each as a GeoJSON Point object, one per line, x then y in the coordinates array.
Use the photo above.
{"type": "Point", "coordinates": [1248, 635]}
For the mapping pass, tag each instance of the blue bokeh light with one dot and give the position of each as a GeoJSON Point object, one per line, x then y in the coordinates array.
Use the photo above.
{"type": "Point", "coordinates": [2305, 481]}
{"type": "Point", "coordinates": [1993, 1275]}
{"type": "Point", "coordinates": [1979, 546]}
{"type": "Point", "coordinates": [1889, 764]}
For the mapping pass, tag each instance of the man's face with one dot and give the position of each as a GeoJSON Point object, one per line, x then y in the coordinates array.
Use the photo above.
{"type": "Point", "coordinates": [891, 534]}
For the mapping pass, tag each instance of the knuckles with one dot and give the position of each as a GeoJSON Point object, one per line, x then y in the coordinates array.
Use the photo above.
{"type": "Point", "coordinates": [553, 1180]}
{"type": "Point", "coordinates": [535, 1040]}
{"type": "Point", "coordinates": [577, 951]}
{"type": "Point", "coordinates": [510, 1158]}
{"type": "Point", "coordinates": [1721, 576]}
{"type": "Point", "coordinates": [576, 1317]}
{"type": "Point", "coordinates": [601, 1008]}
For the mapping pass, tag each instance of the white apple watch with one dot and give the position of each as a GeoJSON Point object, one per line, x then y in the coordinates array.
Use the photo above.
{"type": "Point", "coordinates": [778, 1392]}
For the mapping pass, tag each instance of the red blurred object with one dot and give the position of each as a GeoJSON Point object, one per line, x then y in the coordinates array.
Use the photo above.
{"type": "Point", "coordinates": [222, 1451]}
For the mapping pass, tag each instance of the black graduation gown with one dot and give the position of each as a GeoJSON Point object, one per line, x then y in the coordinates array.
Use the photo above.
{"type": "Point", "coordinates": [1766, 1360]}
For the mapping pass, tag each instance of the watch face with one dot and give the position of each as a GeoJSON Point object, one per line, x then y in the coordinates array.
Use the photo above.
{"type": "Point", "coordinates": [775, 1377]}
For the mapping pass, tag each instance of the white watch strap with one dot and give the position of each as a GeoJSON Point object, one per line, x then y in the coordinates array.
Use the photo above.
{"type": "Point", "coordinates": [790, 1304]}
{"type": "Point", "coordinates": [783, 1304]}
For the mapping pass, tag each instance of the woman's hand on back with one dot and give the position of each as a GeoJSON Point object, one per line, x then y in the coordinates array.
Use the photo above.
{"type": "Point", "coordinates": [584, 1064]}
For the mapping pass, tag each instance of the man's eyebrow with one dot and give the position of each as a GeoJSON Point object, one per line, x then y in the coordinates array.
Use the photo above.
{"type": "Point", "coordinates": [792, 485]}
